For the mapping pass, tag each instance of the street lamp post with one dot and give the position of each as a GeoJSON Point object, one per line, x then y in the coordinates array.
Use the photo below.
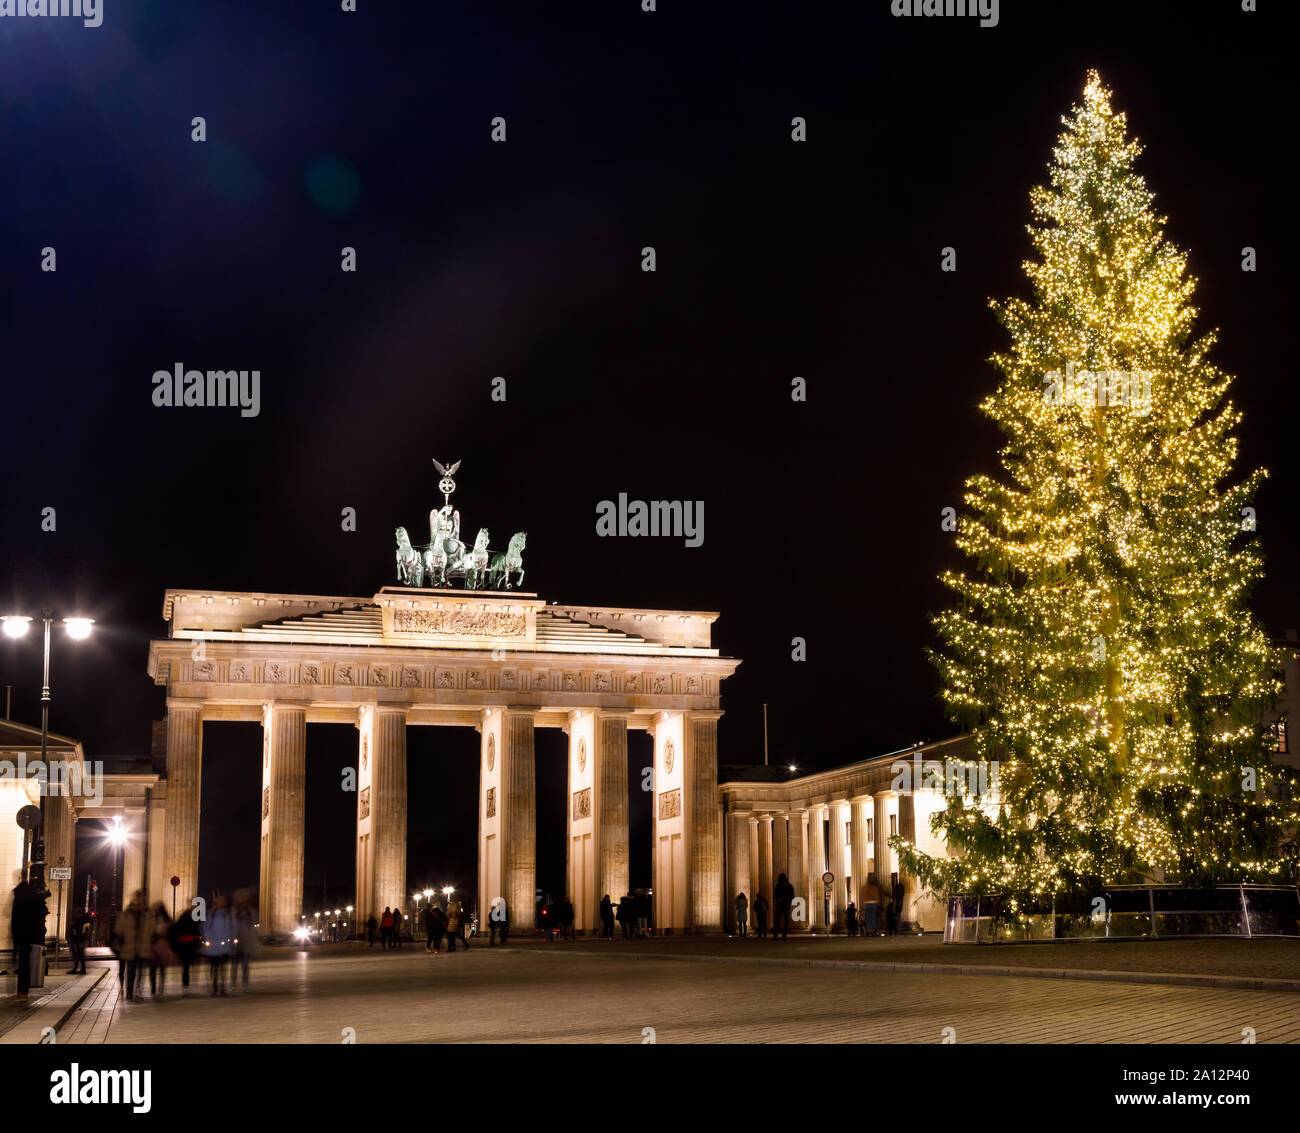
{"type": "Point", "coordinates": [117, 835]}
{"type": "Point", "coordinates": [16, 625]}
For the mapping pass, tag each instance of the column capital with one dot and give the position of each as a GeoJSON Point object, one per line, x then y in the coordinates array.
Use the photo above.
{"type": "Point", "coordinates": [517, 711]}
{"type": "Point", "coordinates": [180, 703]}
{"type": "Point", "coordinates": [704, 714]}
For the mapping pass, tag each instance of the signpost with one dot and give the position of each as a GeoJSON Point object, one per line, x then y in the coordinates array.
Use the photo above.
{"type": "Point", "coordinates": [175, 881]}
{"type": "Point", "coordinates": [828, 879]}
{"type": "Point", "coordinates": [59, 873]}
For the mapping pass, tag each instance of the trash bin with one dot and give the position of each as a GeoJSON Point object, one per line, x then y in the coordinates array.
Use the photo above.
{"type": "Point", "coordinates": [38, 965]}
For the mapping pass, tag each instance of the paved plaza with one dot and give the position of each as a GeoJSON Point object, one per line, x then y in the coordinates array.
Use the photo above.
{"type": "Point", "coordinates": [590, 991]}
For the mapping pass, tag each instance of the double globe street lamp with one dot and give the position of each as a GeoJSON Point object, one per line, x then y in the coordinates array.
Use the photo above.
{"type": "Point", "coordinates": [17, 625]}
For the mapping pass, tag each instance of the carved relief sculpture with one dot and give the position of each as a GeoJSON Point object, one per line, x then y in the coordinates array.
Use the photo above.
{"type": "Point", "coordinates": [582, 803]}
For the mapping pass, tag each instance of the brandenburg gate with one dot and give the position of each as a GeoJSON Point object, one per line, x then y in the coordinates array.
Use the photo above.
{"type": "Point", "coordinates": [503, 662]}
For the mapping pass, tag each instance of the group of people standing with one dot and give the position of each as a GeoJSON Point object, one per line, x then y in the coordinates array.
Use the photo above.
{"type": "Point", "coordinates": [868, 922]}
{"type": "Point", "coordinates": [447, 925]}
{"type": "Point", "coordinates": [632, 914]}
{"type": "Point", "coordinates": [781, 906]}
{"type": "Point", "coordinates": [145, 938]}
{"type": "Point", "coordinates": [389, 926]}
{"type": "Point", "coordinates": [440, 925]}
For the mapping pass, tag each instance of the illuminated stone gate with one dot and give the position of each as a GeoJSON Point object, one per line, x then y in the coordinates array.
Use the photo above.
{"type": "Point", "coordinates": [504, 663]}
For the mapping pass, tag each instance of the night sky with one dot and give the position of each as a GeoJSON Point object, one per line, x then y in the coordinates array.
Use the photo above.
{"type": "Point", "coordinates": [477, 259]}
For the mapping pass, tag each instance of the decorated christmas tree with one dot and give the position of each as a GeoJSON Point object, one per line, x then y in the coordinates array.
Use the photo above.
{"type": "Point", "coordinates": [1102, 652]}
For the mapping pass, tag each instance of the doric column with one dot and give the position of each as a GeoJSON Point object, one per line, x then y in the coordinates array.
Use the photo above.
{"type": "Point", "coordinates": [184, 774]}
{"type": "Point", "coordinates": [132, 854]}
{"type": "Point", "coordinates": [157, 879]}
{"type": "Point", "coordinates": [284, 776]}
{"type": "Point", "coordinates": [388, 806]}
{"type": "Point", "coordinates": [737, 864]}
{"type": "Point", "coordinates": [704, 822]}
{"type": "Point", "coordinates": [765, 856]}
{"type": "Point", "coordinates": [59, 826]}
{"type": "Point", "coordinates": [795, 871]}
{"type": "Point", "coordinates": [754, 877]}
{"type": "Point", "coordinates": [816, 866]}
{"type": "Point", "coordinates": [519, 819]}
{"type": "Point", "coordinates": [840, 865]}
{"type": "Point", "coordinates": [881, 824]}
{"type": "Point", "coordinates": [611, 807]}
{"type": "Point", "coordinates": [780, 848]}
{"type": "Point", "coordinates": [907, 831]}
{"type": "Point", "coordinates": [859, 849]}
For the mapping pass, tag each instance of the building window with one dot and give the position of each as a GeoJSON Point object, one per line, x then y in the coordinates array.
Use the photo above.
{"type": "Point", "coordinates": [871, 830]}
{"type": "Point", "coordinates": [893, 825]}
{"type": "Point", "coordinates": [1277, 732]}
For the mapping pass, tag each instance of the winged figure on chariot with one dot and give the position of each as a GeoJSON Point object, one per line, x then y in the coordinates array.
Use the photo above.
{"type": "Point", "coordinates": [445, 556]}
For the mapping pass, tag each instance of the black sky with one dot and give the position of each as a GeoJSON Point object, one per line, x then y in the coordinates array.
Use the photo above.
{"type": "Point", "coordinates": [522, 259]}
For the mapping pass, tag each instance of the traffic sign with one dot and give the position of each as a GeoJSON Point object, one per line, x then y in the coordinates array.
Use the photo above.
{"type": "Point", "coordinates": [828, 878]}
{"type": "Point", "coordinates": [60, 873]}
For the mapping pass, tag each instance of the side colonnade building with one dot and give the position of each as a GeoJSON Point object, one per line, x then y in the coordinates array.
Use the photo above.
{"type": "Point", "coordinates": [838, 822]}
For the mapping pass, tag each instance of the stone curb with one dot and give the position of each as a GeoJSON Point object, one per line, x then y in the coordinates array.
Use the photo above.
{"type": "Point", "coordinates": [54, 1013]}
{"type": "Point", "coordinates": [1249, 983]}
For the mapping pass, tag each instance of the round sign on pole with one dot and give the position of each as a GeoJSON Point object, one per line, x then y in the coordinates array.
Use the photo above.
{"type": "Point", "coordinates": [175, 881]}
{"type": "Point", "coordinates": [828, 878]}
{"type": "Point", "coordinates": [29, 818]}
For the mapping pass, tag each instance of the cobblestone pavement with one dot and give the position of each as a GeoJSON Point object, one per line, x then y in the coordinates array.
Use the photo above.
{"type": "Point", "coordinates": [1261, 958]}
{"type": "Point", "coordinates": [538, 993]}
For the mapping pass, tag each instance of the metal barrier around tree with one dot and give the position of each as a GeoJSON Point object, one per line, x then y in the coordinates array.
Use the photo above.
{"type": "Point", "coordinates": [1128, 912]}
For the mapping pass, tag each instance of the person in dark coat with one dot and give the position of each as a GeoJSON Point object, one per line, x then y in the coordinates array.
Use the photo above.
{"type": "Point", "coordinates": [397, 928]}
{"type": "Point", "coordinates": [891, 918]}
{"type": "Point", "coordinates": [78, 937]}
{"type": "Point", "coordinates": [499, 920]}
{"type": "Point", "coordinates": [643, 913]}
{"type": "Point", "coordinates": [871, 909]}
{"type": "Point", "coordinates": [27, 926]}
{"type": "Point", "coordinates": [372, 929]}
{"type": "Point", "coordinates": [782, 899]}
{"type": "Point", "coordinates": [607, 917]}
{"type": "Point", "coordinates": [566, 918]}
{"type": "Point", "coordinates": [185, 936]}
{"type": "Point", "coordinates": [386, 927]}
{"type": "Point", "coordinates": [455, 925]}
{"type": "Point", "coordinates": [626, 914]}
{"type": "Point", "coordinates": [851, 919]}
{"type": "Point", "coordinates": [759, 907]}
